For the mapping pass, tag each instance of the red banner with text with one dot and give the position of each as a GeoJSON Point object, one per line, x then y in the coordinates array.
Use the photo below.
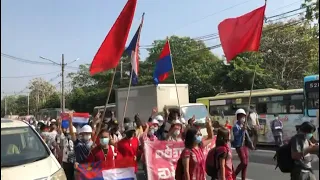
{"type": "Point", "coordinates": [162, 157]}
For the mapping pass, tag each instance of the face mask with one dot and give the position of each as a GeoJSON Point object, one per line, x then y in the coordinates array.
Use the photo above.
{"type": "Point", "coordinates": [198, 139]}
{"type": "Point", "coordinates": [89, 144]}
{"type": "Point", "coordinates": [151, 132]}
{"type": "Point", "coordinates": [176, 133]}
{"type": "Point", "coordinates": [104, 141]}
{"type": "Point", "coordinates": [156, 129]}
{"type": "Point", "coordinates": [69, 136]}
{"type": "Point", "coordinates": [309, 135]}
{"type": "Point", "coordinates": [242, 120]}
{"type": "Point", "coordinates": [276, 118]}
{"type": "Point", "coordinates": [160, 123]}
{"type": "Point", "coordinates": [87, 137]}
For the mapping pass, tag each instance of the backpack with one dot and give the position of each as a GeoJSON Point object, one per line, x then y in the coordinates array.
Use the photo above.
{"type": "Point", "coordinates": [211, 162]}
{"type": "Point", "coordinates": [284, 160]}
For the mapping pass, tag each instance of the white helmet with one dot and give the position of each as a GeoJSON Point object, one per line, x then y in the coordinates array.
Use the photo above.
{"type": "Point", "coordinates": [86, 129]}
{"type": "Point", "coordinates": [159, 118]}
{"type": "Point", "coordinates": [177, 121]}
{"type": "Point", "coordinates": [74, 129]}
{"type": "Point", "coordinates": [241, 111]}
{"type": "Point", "coordinates": [53, 120]}
{"type": "Point", "coordinates": [154, 121]}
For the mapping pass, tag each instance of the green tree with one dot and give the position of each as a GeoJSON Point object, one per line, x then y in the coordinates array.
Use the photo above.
{"type": "Point", "coordinates": [289, 52]}
{"type": "Point", "coordinates": [312, 9]}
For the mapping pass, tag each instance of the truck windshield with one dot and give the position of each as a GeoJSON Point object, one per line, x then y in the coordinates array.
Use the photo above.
{"type": "Point", "coordinates": [199, 111]}
{"type": "Point", "coordinates": [21, 146]}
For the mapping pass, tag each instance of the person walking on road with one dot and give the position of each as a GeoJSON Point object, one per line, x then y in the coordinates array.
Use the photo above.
{"type": "Point", "coordinates": [277, 130]}
{"type": "Point", "coordinates": [253, 122]}
{"type": "Point", "coordinates": [240, 135]}
{"type": "Point", "coordinates": [301, 148]}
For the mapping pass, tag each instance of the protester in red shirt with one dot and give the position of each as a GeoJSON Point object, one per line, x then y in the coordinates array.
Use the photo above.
{"type": "Point", "coordinates": [227, 125]}
{"type": "Point", "coordinates": [103, 151]}
{"type": "Point", "coordinates": [193, 158]}
{"type": "Point", "coordinates": [128, 146]}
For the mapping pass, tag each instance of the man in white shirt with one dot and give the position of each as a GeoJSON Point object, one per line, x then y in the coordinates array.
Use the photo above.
{"type": "Point", "coordinates": [253, 122]}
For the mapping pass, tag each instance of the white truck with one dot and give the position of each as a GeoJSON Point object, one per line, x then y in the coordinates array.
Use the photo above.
{"type": "Point", "coordinates": [143, 98]}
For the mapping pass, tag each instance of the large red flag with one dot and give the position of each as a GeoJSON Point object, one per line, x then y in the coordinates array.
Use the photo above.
{"type": "Point", "coordinates": [241, 34]}
{"type": "Point", "coordinates": [112, 47]}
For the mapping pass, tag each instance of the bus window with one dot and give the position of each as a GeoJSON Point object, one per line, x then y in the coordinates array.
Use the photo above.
{"type": "Point", "coordinates": [296, 104]}
{"type": "Point", "coordinates": [221, 110]}
{"type": "Point", "coordinates": [277, 107]}
{"type": "Point", "coordinates": [261, 108]}
{"type": "Point", "coordinates": [313, 100]}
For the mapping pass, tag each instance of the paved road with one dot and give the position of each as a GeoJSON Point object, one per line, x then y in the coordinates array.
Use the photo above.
{"type": "Point", "coordinates": [261, 167]}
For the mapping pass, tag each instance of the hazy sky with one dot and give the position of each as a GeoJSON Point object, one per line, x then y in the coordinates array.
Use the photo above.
{"type": "Point", "coordinates": [48, 28]}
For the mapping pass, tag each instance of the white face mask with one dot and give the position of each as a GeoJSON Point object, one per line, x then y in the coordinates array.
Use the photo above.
{"type": "Point", "coordinates": [176, 133]}
{"type": "Point", "coordinates": [87, 137]}
{"type": "Point", "coordinates": [160, 123]}
{"type": "Point", "coordinates": [276, 118]}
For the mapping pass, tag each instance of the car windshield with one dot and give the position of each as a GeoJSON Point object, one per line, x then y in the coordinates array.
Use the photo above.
{"type": "Point", "coordinates": [199, 111]}
{"type": "Point", "coordinates": [20, 146]}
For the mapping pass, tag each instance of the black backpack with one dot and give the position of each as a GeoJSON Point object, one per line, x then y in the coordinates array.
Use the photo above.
{"type": "Point", "coordinates": [284, 160]}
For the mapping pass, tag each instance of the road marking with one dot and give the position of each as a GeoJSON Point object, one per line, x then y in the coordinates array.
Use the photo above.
{"type": "Point", "coordinates": [246, 178]}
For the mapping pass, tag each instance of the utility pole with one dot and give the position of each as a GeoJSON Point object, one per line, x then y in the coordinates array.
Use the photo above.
{"type": "Point", "coordinates": [63, 65]}
{"type": "Point", "coordinates": [28, 103]}
{"type": "Point", "coordinates": [121, 69]}
{"type": "Point", "coordinates": [62, 84]}
{"type": "Point", "coordinates": [5, 105]}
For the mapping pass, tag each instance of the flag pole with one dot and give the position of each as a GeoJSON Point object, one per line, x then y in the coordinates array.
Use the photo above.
{"type": "Point", "coordinates": [174, 77]}
{"type": "Point", "coordinates": [128, 93]}
{"type": "Point", "coordinates": [130, 81]}
{"type": "Point", "coordinates": [250, 97]}
{"type": "Point", "coordinates": [105, 106]}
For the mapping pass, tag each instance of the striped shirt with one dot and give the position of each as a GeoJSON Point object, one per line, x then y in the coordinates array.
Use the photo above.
{"type": "Point", "coordinates": [196, 163]}
{"type": "Point", "coordinates": [81, 151]}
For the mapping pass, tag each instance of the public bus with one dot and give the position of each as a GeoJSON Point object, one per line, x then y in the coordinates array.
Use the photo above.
{"type": "Point", "coordinates": [311, 92]}
{"type": "Point", "coordinates": [288, 104]}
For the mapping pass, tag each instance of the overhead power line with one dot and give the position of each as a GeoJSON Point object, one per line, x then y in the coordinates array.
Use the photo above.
{"type": "Point", "coordinates": [35, 75]}
{"type": "Point", "coordinates": [32, 61]}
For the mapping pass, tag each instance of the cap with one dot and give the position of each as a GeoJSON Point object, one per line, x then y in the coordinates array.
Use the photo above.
{"type": "Point", "coordinates": [159, 118]}
{"type": "Point", "coordinates": [53, 120]}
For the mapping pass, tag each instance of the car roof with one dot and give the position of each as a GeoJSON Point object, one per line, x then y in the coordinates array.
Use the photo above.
{"type": "Point", "coordinates": [10, 123]}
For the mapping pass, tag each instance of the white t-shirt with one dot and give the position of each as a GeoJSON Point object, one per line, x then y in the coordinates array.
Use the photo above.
{"type": "Point", "coordinates": [254, 119]}
{"type": "Point", "coordinates": [68, 148]}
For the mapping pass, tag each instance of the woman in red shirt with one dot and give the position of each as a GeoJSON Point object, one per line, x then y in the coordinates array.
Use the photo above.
{"type": "Point", "coordinates": [193, 158]}
{"type": "Point", "coordinates": [128, 146]}
{"type": "Point", "coordinates": [103, 151]}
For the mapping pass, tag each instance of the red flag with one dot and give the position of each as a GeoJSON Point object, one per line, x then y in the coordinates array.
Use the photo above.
{"type": "Point", "coordinates": [241, 34]}
{"type": "Point", "coordinates": [112, 47]}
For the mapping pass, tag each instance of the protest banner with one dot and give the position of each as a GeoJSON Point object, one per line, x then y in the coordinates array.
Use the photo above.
{"type": "Point", "coordinates": [162, 157]}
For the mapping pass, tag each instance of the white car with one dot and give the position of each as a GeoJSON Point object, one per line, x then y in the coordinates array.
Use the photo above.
{"type": "Point", "coordinates": [24, 155]}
